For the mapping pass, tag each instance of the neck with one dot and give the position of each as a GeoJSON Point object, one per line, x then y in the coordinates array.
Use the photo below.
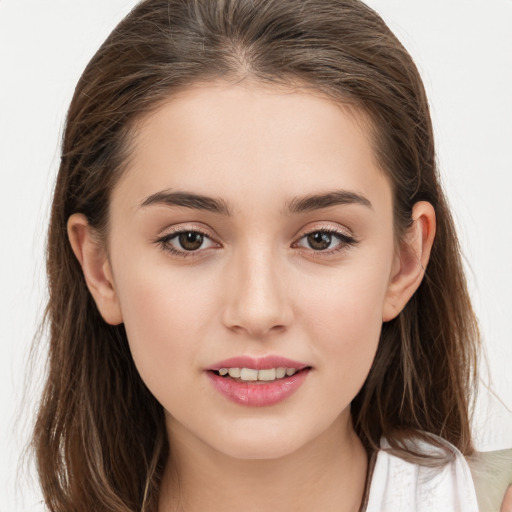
{"type": "Point", "coordinates": [327, 474]}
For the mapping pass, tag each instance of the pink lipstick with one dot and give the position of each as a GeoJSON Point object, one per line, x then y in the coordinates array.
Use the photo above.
{"type": "Point", "coordinates": [257, 382]}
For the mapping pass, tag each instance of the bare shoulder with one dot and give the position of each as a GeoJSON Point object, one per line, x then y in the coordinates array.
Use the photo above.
{"type": "Point", "coordinates": [506, 506]}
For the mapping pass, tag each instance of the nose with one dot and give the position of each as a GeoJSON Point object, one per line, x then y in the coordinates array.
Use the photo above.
{"type": "Point", "coordinates": [257, 300]}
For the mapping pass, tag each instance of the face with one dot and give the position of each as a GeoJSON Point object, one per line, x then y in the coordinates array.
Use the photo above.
{"type": "Point", "coordinates": [253, 229]}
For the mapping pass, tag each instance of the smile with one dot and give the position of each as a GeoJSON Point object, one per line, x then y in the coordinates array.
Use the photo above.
{"type": "Point", "coordinates": [257, 382]}
{"type": "Point", "coordinates": [253, 375]}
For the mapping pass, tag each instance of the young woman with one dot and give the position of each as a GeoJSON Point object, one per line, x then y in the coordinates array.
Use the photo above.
{"type": "Point", "coordinates": [256, 294]}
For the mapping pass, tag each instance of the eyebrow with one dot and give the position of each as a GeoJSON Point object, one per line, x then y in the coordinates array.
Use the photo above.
{"type": "Point", "coordinates": [300, 204]}
{"type": "Point", "coordinates": [187, 200]}
{"type": "Point", "coordinates": [318, 201]}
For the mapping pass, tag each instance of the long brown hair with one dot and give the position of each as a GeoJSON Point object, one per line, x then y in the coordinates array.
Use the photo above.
{"type": "Point", "coordinates": [100, 439]}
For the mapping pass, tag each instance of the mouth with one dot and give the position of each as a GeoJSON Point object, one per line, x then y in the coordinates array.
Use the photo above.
{"type": "Point", "coordinates": [258, 382]}
{"type": "Point", "coordinates": [253, 375]}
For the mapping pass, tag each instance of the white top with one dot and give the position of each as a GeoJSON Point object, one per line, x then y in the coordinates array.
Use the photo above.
{"type": "Point", "coordinates": [400, 486]}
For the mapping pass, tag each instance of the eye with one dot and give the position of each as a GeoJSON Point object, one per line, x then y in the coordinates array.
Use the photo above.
{"type": "Point", "coordinates": [185, 242]}
{"type": "Point", "coordinates": [324, 240]}
{"type": "Point", "coordinates": [189, 240]}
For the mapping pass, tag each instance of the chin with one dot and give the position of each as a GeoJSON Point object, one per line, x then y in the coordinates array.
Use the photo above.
{"type": "Point", "coordinates": [258, 448]}
{"type": "Point", "coordinates": [264, 440]}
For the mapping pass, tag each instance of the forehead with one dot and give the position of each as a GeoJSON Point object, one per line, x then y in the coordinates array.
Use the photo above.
{"type": "Point", "coordinates": [241, 141]}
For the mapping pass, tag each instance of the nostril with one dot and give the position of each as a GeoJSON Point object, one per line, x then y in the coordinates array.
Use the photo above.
{"type": "Point", "coordinates": [257, 303]}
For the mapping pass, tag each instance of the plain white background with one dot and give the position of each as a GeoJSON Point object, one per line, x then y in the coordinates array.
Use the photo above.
{"type": "Point", "coordinates": [464, 51]}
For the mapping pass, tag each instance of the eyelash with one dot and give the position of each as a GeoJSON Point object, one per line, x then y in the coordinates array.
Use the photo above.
{"type": "Point", "coordinates": [164, 242]}
{"type": "Point", "coordinates": [345, 242]}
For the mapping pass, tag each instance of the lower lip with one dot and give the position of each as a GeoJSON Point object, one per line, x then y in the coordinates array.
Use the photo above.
{"type": "Point", "coordinates": [258, 394]}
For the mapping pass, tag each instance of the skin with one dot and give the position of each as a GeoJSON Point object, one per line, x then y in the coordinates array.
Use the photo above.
{"type": "Point", "coordinates": [506, 506]}
{"type": "Point", "coordinates": [255, 287]}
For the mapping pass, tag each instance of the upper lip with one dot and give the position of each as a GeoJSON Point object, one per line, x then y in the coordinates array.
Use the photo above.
{"type": "Point", "coordinates": [258, 363]}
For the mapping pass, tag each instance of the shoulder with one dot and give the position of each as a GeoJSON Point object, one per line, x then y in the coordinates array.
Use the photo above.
{"type": "Point", "coordinates": [399, 485]}
{"type": "Point", "coordinates": [492, 474]}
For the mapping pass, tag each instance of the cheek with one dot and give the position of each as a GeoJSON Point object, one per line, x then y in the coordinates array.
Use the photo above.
{"type": "Point", "coordinates": [348, 335]}
{"type": "Point", "coordinates": [347, 304]}
{"type": "Point", "coordinates": [345, 319]}
{"type": "Point", "coordinates": [164, 317]}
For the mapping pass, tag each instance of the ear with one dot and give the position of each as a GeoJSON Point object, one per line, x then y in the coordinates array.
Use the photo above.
{"type": "Point", "coordinates": [96, 267]}
{"type": "Point", "coordinates": [411, 260]}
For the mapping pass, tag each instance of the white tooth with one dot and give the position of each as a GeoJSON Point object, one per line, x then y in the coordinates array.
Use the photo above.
{"type": "Point", "coordinates": [269, 374]}
{"type": "Point", "coordinates": [248, 374]}
{"type": "Point", "coordinates": [234, 372]}
{"type": "Point", "coordinates": [280, 372]}
{"type": "Point", "coordinates": [290, 371]}
{"type": "Point", "coordinates": [223, 371]}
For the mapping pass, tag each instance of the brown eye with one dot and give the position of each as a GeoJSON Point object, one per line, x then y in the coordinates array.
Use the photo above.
{"type": "Point", "coordinates": [319, 240]}
{"type": "Point", "coordinates": [190, 240]}
{"type": "Point", "coordinates": [325, 242]}
{"type": "Point", "coordinates": [187, 242]}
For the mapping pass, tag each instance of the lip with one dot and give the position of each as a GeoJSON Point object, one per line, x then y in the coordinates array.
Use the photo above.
{"type": "Point", "coordinates": [258, 363]}
{"type": "Point", "coordinates": [259, 393]}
